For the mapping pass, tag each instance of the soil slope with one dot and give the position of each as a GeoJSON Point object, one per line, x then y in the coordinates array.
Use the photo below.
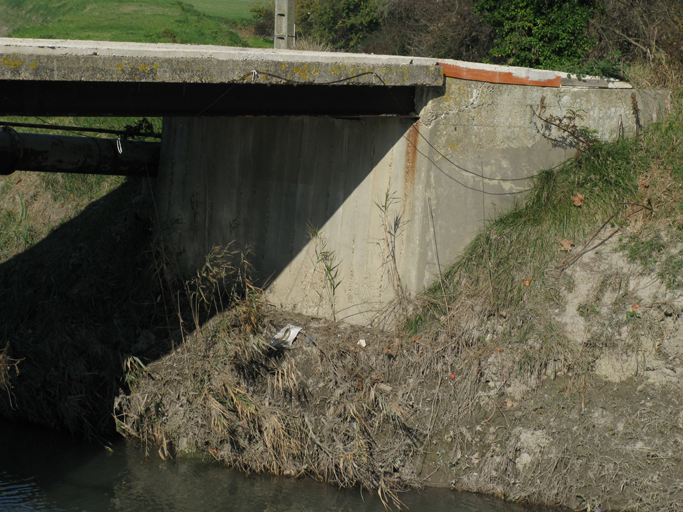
{"type": "Point", "coordinates": [354, 406]}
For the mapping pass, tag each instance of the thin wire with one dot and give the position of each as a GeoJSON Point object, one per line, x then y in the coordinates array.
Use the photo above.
{"type": "Point", "coordinates": [311, 82]}
{"type": "Point", "coordinates": [444, 156]}
{"type": "Point", "coordinates": [27, 115]}
{"type": "Point", "coordinates": [462, 168]}
{"type": "Point", "coordinates": [218, 99]}
{"type": "Point", "coordinates": [253, 73]}
{"type": "Point", "coordinates": [461, 183]}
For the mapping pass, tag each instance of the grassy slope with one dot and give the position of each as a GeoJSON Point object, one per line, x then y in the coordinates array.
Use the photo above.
{"type": "Point", "coordinates": [149, 21]}
{"type": "Point", "coordinates": [233, 10]}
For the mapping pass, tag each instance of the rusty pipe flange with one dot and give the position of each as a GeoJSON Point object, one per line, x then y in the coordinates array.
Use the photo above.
{"type": "Point", "coordinates": [10, 149]}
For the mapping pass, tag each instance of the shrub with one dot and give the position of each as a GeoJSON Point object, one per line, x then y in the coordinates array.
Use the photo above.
{"type": "Point", "coordinates": [551, 34]}
{"type": "Point", "coordinates": [431, 28]}
{"type": "Point", "coordinates": [344, 24]}
{"type": "Point", "coordinates": [264, 18]}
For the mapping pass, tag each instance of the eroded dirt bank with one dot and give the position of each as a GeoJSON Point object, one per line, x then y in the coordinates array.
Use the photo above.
{"type": "Point", "coordinates": [593, 420]}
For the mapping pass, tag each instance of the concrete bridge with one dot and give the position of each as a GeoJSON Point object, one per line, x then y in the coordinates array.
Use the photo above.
{"type": "Point", "coordinates": [353, 178]}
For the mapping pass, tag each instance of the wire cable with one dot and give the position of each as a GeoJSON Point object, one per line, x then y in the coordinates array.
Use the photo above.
{"type": "Point", "coordinates": [467, 171]}
{"type": "Point", "coordinates": [461, 183]}
{"type": "Point", "coordinates": [253, 74]}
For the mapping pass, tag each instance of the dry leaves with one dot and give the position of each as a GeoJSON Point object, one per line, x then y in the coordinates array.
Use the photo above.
{"type": "Point", "coordinates": [578, 199]}
{"type": "Point", "coordinates": [509, 403]}
{"type": "Point", "coordinates": [391, 352]}
{"type": "Point", "coordinates": [566, 244]}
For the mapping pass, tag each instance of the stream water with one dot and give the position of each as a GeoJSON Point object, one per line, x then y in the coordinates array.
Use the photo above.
{"type": "Point", "coordinates": [43, 470]}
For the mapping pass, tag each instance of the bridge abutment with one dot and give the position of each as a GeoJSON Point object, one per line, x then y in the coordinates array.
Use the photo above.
{"type": "Point", "coordinates": [343, 214]}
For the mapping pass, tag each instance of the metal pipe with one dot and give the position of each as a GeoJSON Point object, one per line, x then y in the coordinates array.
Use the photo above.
{"type": "Point", "coordinates": [80, 155]}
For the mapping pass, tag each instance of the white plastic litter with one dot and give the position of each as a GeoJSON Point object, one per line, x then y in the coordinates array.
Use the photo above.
{"type": "Point", "coordinates": [285, 337]}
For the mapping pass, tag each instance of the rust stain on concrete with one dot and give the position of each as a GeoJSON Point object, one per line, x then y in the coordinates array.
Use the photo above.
{"type": "Point", "coordinates": [497, 77]}
{"type": "Point", "coordinates": [413, 138]}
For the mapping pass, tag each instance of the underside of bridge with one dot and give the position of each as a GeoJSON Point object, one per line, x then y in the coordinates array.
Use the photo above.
{"type": "Point", "coordinates": [154, 99]}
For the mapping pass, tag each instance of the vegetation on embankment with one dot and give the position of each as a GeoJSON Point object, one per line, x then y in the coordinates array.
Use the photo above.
{"type": "Point", "coordinates": [225, 23]}
{"type": "Point", "coordinates": [516, 264]}
{"type": "Point", "coordinates": [76, 288]}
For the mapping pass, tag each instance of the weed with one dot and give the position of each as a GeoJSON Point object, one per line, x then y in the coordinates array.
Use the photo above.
{"type": "Point", "coordinates": [671, 271]}
{"type": "Point", "coordinates": [570, 133]}
{"type": "Point", "coordinates": [586, 310]}
{"type": "Point", "coordinates": [7, 364]}
{"type": "Point", "coordinates": [209, 291]}
{"type": "Point", "coordinates": [327, 259]}
{"type": "Point", "coordinates": [644, 248]}
{"type": "Point", "coordinates": [392, 228]}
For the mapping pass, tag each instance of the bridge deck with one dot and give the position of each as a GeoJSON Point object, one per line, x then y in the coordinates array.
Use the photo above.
{"type": "Point", "coordinates": [97, 61]}
{"type": "Point", "coordinates": [58, 77]}
{"type": "Point", "coordinates": [62, 77]}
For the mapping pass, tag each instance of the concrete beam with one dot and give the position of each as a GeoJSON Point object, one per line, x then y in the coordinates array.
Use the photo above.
{"type": "Point", "coordinates": [46, 98]}
{"type": "Point", "coordinates": [96, 61]}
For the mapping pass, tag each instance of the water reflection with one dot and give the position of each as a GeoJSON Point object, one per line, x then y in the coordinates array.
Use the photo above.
{"type": "Point", "coordinates": [46, 471]}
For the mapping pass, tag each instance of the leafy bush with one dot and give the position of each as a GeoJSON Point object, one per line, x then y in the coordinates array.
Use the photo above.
{"type": "Point", "coordinates": [344, 24]}
{"type": "Point", "coordinates": [551, 34]}
{"type": "Point", "coordinates": [264, 18]}
{"type": "Point", "coordinates": [430, 28]}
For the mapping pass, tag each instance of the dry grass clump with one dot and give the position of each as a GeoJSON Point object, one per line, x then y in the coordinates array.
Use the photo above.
{"type": "Point", "coordinates": [327, 408]}
{"type": "Point", "coordinates": [7, 364]}
{"type": "Point", "coordinates": [309, 44]}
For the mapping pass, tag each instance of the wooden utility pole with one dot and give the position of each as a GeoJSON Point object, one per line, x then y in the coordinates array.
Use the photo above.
{"type": "Point", "coordinates": [284, 24]}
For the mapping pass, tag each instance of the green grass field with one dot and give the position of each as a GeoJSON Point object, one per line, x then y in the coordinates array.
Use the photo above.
{"type": "Point", "coordinates": [153, 21]}
{"type": "Point", "coordinates": [229, 9]}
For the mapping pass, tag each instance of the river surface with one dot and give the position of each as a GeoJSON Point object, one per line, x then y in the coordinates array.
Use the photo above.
{"type": "Point", "coordinates": [42, 470]}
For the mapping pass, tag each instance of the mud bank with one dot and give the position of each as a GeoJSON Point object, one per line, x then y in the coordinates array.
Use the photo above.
{"type": "Point", "coordinates": [597, 422]}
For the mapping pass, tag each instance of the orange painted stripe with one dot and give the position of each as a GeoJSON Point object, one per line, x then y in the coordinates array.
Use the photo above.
{"type": "Point", "coordinates": [497, 77]}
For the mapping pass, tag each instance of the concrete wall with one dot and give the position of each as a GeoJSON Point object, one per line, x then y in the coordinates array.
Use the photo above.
{"type": "Point", "coordinates": [265, 182]}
